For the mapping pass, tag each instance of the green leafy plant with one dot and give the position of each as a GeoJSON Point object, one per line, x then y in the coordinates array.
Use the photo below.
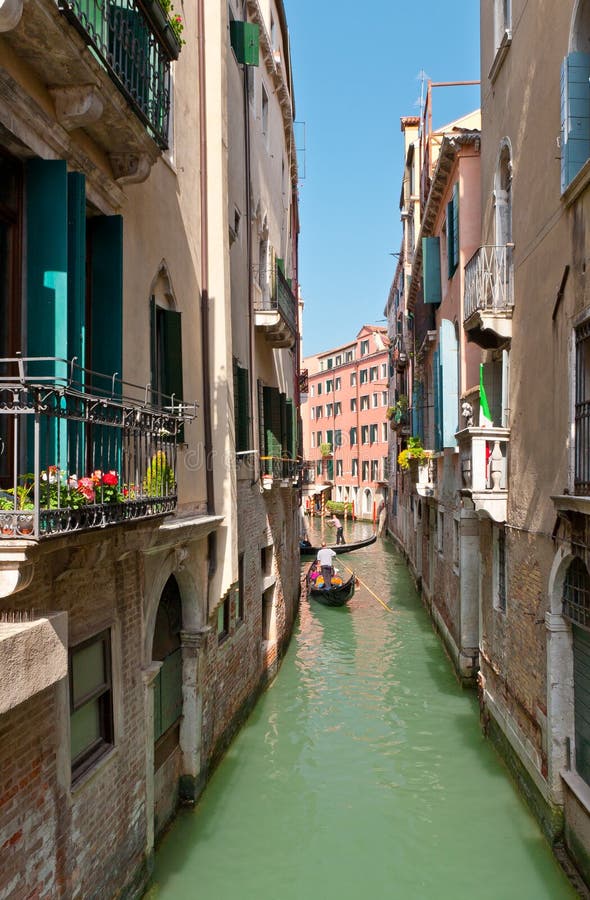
{"type": "Point", "coordinates": [159, 479]}
{"type": "Point", "coordinates": [175, 19]}
{"type": "Point", "coordinates": [336, 506]}
{"type": "Point", "coordinates": [325, 449]}
{"type": "Point", "coordinates": [414, 451]}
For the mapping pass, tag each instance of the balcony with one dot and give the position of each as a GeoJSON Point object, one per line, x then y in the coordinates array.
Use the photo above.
{"type": "Point", "coordinates": [107, 67]}
{"type": "Point", "coordinates": [279, 471]}
{"type": "Point", "coordinates": [276, 315]}
{"type": "Point", "coordinates": [489, 296]}
{"type": "Point", "coordinates": [80, 450]}
{"type": "Point", "coordinates": [484, 469]}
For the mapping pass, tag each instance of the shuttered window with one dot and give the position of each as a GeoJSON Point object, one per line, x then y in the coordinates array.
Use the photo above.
{"type": "Point", "coordinates": [431, 269]}
{"type": "Point", "coordinates": [575, 115]}
{"type": "Point", "coordinates": [453, 232]}
{"type": "Point", "coordinates": [272, 426]}
{"type": "Point", "coordinates": [449, 382]}
{"type": "Point", "coordinates": [241, 407]}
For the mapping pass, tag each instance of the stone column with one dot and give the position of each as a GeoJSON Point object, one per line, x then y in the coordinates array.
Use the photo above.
{"type": "Point", "coordinates": [193, 657]}
{"type": "Point", "coordinates": [149, 676]}
{"type": "Point", "coordinates": [560, 701]}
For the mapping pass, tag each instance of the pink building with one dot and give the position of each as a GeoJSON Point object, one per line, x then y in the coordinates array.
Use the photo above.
{"type": "Point", "coordinates": [345, 429]}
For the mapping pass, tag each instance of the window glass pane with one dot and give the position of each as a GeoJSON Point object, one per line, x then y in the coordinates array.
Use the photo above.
{"type": "Point", "coordinates": [85, 727]}
{"type": "Point", "coordinates": [88, 670]}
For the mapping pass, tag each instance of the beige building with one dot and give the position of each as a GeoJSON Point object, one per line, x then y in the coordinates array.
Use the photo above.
{"type": "Point", "coordinates": [135, 629]}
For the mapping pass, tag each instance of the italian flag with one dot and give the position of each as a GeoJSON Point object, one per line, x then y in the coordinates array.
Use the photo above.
{"type": "Point", "coordinates": [485, 418]}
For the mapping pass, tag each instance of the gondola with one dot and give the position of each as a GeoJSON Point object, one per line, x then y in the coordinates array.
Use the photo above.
{"type": "Point", "coordinates": [338, 595]}
{"type": "Point", "coordinates": [308, 550]}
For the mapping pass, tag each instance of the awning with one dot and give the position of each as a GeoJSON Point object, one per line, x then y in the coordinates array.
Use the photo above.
{"type": "Point", "coordinates": [311, 489]}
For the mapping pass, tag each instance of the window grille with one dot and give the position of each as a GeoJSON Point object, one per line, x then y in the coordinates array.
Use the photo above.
{"type": "Point", "coordinates": [582, 411]}
{"type": "Point", "coordinates": [576, 594]}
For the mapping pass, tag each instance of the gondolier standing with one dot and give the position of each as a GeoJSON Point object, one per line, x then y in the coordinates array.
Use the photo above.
{"type": "Point", "coordinates": [325, 557]}
{"type": "Point", "coordinates": [339, 529]}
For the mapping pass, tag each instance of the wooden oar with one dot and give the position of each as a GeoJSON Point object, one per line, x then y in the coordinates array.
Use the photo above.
{"type": "Point", "coordinates": [367, 588]}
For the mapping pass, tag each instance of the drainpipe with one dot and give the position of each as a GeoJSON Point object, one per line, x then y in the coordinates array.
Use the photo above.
{"type": "Point", "coordinates": [207, 425]}
{"type": "Point", "coordinates": [247, 165]}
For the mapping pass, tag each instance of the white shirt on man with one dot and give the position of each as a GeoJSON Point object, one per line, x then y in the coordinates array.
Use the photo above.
{"type": "Point", "coordinates": [325, 556]}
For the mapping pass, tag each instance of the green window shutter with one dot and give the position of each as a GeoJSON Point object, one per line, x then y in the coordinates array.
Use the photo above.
{"type": "Point", "coordinates": [281, 265]}
{"type": "Point", "coordinates": [77, 267]}
{"type": "Point", "coordinates": [154, 350]}
{"type": "Point", "coordinates": [245, 41]}
{"type": "Point", "coordinates": [291, 434]}
{"type": "Point", "coordinates": [456, 226]}
{"type": "Point", "coordinates": [170, 327]}
{"type": "Point", "coordinates": [272, 425]}
{"type": "Point", "coordinates": [582, 700]}
{"type": "Point", "coordinates": [575, 115]}
{"type": "Point", "coordinates": [450, 239]}
{"type": "Point", "coordinates": [449, 353]}
{"type": "Point", "coordinates": [47, 260]}
{"type": "Point", "coordinates": [106, 299]}
{"type": "Point", "coordinates": [283, 432]}
{"type": "Point", "coordinates": [242, 401]}
{"type": "Point", "coordinates": [431, 269]}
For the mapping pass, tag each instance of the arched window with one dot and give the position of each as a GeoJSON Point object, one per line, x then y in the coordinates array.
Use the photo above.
{"type": "Point", "coordinates": [576, 608]}
{"type": "Point", "coordinates": [503, 196]}
{"type": "Point", "coordinates": [166, 342]}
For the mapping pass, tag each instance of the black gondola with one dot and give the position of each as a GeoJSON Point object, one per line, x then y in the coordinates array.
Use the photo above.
{"type": "Point", "coordinates": [338, 595]}
{"type": "Point", "coordinates": [306, 549]}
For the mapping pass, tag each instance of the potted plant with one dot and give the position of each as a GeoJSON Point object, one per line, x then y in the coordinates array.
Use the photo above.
{"type": "Point", "coordinates": [413, 453]}
{"type": "Point", "coordinates": [326, 449]}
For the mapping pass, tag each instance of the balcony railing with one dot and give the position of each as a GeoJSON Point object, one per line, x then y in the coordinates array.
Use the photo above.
{"type": "Point", "coordinates": [277, 470]}
{"type": "Point", "coordinates": [484, 468]}
{"type": "Point", "coordinates": [277, 311]}
{"type": "Point", "coordinates": [136, 42]}
{"type": "Point", "coordinates": [81, 450]}
{"type": "Point", "coordinates": [488, 281]}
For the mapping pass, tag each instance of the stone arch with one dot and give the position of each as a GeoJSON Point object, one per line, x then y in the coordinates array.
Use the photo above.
{"type": "Point", "coordinates": [161, 288]}
{"type": "Point", "coordinates": [156, 577]}
{"type": "Point", "coordinates": [580, 27]}
{"type": "Point", "coordinates": [367, 502]}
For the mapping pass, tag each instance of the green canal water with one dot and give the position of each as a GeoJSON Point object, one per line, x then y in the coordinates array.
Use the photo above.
{"type": "Point", "coordinates": [362, 773]}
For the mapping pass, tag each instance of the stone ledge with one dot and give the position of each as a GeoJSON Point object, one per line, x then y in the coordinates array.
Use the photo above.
{"type": "Point", "coordinates": [33, 656]}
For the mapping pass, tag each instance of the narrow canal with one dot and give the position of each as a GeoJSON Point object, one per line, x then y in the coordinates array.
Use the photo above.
{"type": "Point", "coordinates": [362, 772]}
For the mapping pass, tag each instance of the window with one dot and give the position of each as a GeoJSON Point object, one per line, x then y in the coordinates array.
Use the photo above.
{"type": "Point", "coordinates": [313, 440]}
{"type": "Point", "coordinates": [312, 413]}
{"type": "Point", "coordinates": [320, 387]}
{"type": "Point", "coordinates": [329, 409]}
{"type": "Point", "coordinates": [166, 353]}
{"type": "Point", "coordinates": [337, 409]}
{"type": "Point", "coordinates": [383, 370]}
{"type": "Point", "coordinates": [576, 608]}
{"type": "Point", "coordinates": [319, 467]}
{"type": "Point", "coordinates": [383, 398]}
{"type": "Point", "coordinates": [365, 475]}
{"type": "Point", "coordinates": [375, 401]}
{"type": "Point", "coordinates": [373, 433]}
{"type": "Point", "coordinates": [337, 438]}
{"type": "Point", "coordinates": [364, 402]}
{"type": "Point", "coordinates": [373, 373]}
{"type": "Point", "coordinates": [91, 702]}
{"type": "Point", "coordinates": [374, 469]}
{"type": "Point", "coordinates": [312, 390]}
{"type": "Point", "coordinates": [456, 544]}
{"type": "Point", "coordinates": [499, 561]}
{"type": "Point", "coordinates": [364, 434]}
{"type": "Point", "coordinates": [349, 356]}
{"type": "Point", "coordinates": [329, 386]}
{"type": "Point", "coordinates": [337, 384]}
{"type": "Point", "coordinates": [353, 437]}
{"type": "Point", "coordinates": [329, 363]}
{"type": "Point", "coordinates": [364, 374]}
{"type": "Point", "coordinates": [440, 527]}
{"type": "Point", "coordinates": [352, 379]}
{"type": "Point", "coordinates": [355, 467]}
{"type": "Point", "coordinates": [338, 362]}
{"type": "Point", "coordinates": [353, 404]}
{"type": "Point", "coordinates": [384, 435]}
{"type": "Point", "coordinates": [319, 412]}
{"type": "Point", "coordinates": [339, 468]}
{"type": "Point", "coordinates": [502, 21]}
{"type": "Point", "coordinates": [223, 618]}
{"type": "Point", "coordinates": [582, 411]}
{"type": "Point", "coordinates": [319, 438]}
{"type": "Point", "coordinates": [242, 407]}
{"type": "Point", "coordinates": [453, 232]}
{"type": "Point", "coordinates": [575, 111]}
{"type": "Point", "coordinates": [364, 348]}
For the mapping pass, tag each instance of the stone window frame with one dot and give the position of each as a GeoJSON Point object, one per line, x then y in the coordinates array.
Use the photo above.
{"type": "Point", "coordinates": [103, 694]}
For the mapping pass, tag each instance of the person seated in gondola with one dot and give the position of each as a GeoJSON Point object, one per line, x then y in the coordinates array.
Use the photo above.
{"type": "Point", "coordinates": [324, 558]}
{"type": "Point", "coordinates": [314, 573]}
{"type": "Point", "coordinates": [304, 543]}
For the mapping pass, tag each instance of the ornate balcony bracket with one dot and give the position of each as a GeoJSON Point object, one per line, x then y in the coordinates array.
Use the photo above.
{"type": "Point", "coordinates": [130, 168]}
{"type": "Point", "coordinates": [77, 106]}
{"type": "Point", "coordinates": [10, 14]}
{"type": "Point", "coordinates": [484, 469]}
{"type": "Point", "coordinates": [16, 567]}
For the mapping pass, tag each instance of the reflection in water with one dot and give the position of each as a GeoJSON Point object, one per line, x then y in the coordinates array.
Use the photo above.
{"type": "Point", "coordinates": [362, 771]}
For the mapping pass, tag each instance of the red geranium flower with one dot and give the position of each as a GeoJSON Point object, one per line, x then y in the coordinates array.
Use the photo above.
{"type": "Point", "coordinates": [110, 478]}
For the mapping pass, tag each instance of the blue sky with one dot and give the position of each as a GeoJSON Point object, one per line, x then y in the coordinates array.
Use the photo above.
{"type": "Point", "coordinates": [356, 72]}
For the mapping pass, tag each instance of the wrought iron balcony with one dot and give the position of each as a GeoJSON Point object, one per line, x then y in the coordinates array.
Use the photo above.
{"type": "Point", "coordinates": [276, 315]}
{"type": "Point", "coordinates": [484, 469]}
{"type": "Point", "coordinates": [277, 470]}
{"type": "Point", "coordinates": [89, 53]}
{"type": "Point", "coordinates": [80, 450]}
{"type": "Point", "coordinates": [489, 299]}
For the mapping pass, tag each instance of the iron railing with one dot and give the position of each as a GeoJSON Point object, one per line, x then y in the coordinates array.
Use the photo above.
{"type": "Point", "coordinates": [488, 281]}
{"type": "Point", "coordinates": [277, 468]}
{"type": "Point", "coordinates": [136, 47]}
{"type": "Point", "coordinates": [281, 300]}
{"type": "Point", "coordinates": [81, 450]}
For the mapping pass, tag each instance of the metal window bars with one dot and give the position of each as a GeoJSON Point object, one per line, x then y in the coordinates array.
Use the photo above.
{"type": "Point", "coordinates": [82, 450]}
{"type": "Point", "coordinates": [576, 594]}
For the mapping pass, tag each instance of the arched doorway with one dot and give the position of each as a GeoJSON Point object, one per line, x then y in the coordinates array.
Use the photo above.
{"type": "Point", "coordinates": [166, 649]}
{"type": "Point", "coordinates": [367, 502]}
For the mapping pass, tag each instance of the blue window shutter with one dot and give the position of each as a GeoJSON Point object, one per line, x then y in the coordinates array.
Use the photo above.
{"type": "Point", "coordinates": [431, 269]}
{"type": "Point", "coordinates": [575, 115]}
{"type": "Point", "coordinates": [77, 267]}
{"type": "Point", "coordinates": [456, 225]}
{"type": "Point", "coordinates": [450, 382]}
{"type": "Point", "coordinates": [106, 301]}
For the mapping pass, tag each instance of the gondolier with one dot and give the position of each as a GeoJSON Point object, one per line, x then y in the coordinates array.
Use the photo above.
{"type": "Point", "coordinates": [325, 557]}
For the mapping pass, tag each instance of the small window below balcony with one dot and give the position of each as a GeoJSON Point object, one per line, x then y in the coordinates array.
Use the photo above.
{"type": "Point", "coordinates": [91, 702]}
{"type": "Point", "coordinates": [582, 411]}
